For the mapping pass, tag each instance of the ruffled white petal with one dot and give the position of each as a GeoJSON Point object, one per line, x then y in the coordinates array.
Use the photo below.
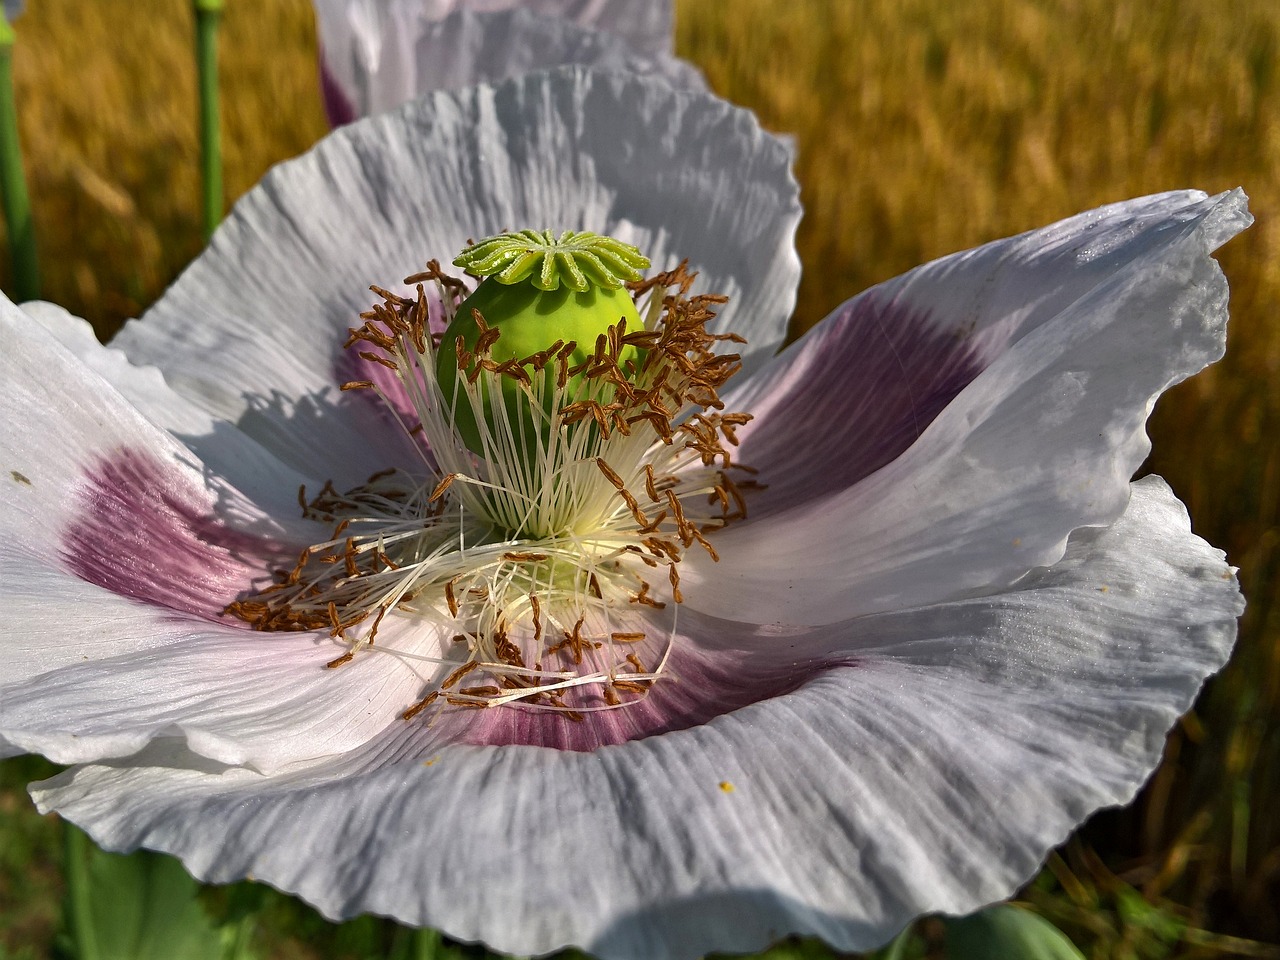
{"type": "Point", "coordinates": [253, 330]}
{"type": "Point", "coordinates": [1078, 328]}
{"type": "Point", "coordinates": [101, 510]}
{"type": "Point", "coordinates": [113, 596]}
{"type": "Point", "coordinates": [931, 773]}
{"type": "Point", "coordinates": [62, 418]}
{"type": "Point", "coordinates": [378, 54]}
{"type": "Point", "coordinates": [235, 696]}
{"type": "Point", "coordinates": [225, 451]}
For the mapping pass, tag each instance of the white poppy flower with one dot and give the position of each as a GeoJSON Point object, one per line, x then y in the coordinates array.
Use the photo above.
{"type": "Point", "coordinates": [376, 54]}
{"type": "Point", "coordinates": [948, 628]}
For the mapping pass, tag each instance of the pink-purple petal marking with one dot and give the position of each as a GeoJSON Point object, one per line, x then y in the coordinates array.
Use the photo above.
{"type": "Point", "coordinates": [338, 107]}
{"type": "Point", "coordinates": [351, 365]}
{"type": "Point", "coordinates": [695, 687]}
{"type": "Point", "coordinates": [875, 375]}
{"type": "Point", "coordinates": [140, 530]}
{"type": "Point", "coordinates": [388, 389]}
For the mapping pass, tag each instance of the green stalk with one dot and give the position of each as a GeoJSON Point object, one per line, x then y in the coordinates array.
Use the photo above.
{"type": "Point", "coordinates": [83, 932]}
{"type": "Point", "coordinates": [13, 183]}
{"type": "Point", "coordinates": [208, 13]}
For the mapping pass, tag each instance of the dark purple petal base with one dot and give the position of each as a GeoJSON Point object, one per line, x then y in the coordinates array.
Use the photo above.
{"type": "Point", "coordinates": [143, 532]}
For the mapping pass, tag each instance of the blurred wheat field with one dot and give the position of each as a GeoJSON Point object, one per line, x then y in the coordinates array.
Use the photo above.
{"type": "Point", "coordinates": [923, 127]}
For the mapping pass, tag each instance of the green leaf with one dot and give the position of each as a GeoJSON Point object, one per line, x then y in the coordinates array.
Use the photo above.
{"type": "Point", "coordinates": [904, 945]}
{"type": "Point", "coordinates": [791, 948]}
{"type": "Point", "coordinates": [143, 907]}
{"type": "Point", "coordinates": [1135, 911]}
{"type": "Point", "coordinates": [410, 944]}
{"type": "Point", "coordinates": [1002, 932]}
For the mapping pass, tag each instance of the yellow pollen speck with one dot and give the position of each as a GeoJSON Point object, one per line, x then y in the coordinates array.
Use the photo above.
{"type": "Point", "coordinates": [1017, 541]}
{"type": "Point", "coordinates": [432, 762]}
{"type": "Point", "coordinates": [726, 786]}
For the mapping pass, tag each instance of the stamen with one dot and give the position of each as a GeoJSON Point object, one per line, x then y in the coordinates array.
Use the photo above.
{"type": "Point", "coordinates": [525, 544]}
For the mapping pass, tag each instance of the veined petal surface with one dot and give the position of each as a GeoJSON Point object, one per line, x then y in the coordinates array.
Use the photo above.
{"type": "Point", "coordinates": [376, 54]}
{"type": "Point", "coordinates": [949, 630]}
{"type": "Point", "coordinates": [119, 549]}
{"type": "Point", "coordinates": [253, 330]}
{"type": "Point", "coordinates": [231, 695]}
{"type": "Point", "coordinates": [945, 432]}
{"type": "Point", "coordinates": [226, 452]}
{"type": "Point", "coordinates": [933, 772]}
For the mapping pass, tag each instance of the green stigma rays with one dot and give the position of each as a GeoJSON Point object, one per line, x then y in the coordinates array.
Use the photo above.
{"type": "Point", "coordinates": [538, 291]}
{"type": "Point", "coordinates": [579, 261]}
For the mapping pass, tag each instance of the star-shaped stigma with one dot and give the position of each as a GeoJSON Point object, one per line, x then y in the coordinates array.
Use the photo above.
{"type": "Point", "coordinates": [579, 260]}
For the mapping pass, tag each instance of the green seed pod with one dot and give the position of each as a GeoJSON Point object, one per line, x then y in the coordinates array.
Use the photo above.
{"type": "Point", "coordinates": [539, 290]}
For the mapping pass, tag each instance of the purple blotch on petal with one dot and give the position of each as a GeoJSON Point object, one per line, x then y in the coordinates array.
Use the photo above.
{"type": "Point", "coordinates": [337, 105]}
{"type": "Point", "coordinates": [391, 399]}
{"type": "Point", "coordinates": [141, 531]}
{"type": "Point", "coordinates": [882, 373]}
{"type": "Point", "coordinates": [351, 366]}
{"type": "Point", "coordinates": [695, 687]}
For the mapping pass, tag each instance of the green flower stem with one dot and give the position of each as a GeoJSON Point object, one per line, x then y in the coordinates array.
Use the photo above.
{"type": "Point", "coordinates": [13, 183]}
{"type": "Point", "coordinates": [237, 941]}
{"type": "Point", "coordinates": [208, 13]}
{"type": "Point", "coordinates": [76, 865]}
{"type": "Point", "coordinates": [426, 945]}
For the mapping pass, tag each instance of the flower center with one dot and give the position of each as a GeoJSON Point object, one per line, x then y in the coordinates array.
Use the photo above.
{"type": "Point", "coordinates": [560, 484]}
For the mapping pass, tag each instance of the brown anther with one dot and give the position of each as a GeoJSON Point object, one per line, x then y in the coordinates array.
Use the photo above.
{"type": "Point", "coordinates": [637, 514]}
{"type": "Point", "coordinates": [536, 607]}
{"type": "Point", "coordinates": [697, 535]}
{"type": "Point", "coordinates": [643, 597]}
{"type": "Point", "coordinates": [377, 358]}
{"type": "Point", "coordinates": [421, 705]}
{"type": "Point", "coordinates": [389, 296]}
{"type": "Point", "coordinates": [450, 598]}
{"type": "Point", "coordinates": [458, 701]}
{"type": "Point", "coordinates": [678, 509]}
{"type": "Point", "coordinates": [648, 560]}
{"type": "Point", "coordinates": [610, 474]}
{"type": "Point", "coordinates": [458, 674]}
{"type": "Point", "coordinates": [508, 652]}
{"type": "Point", "coordinates": [513, 369]}
{"type": "Point", "coordinates": [441, 487]}
{"type": "Point", "coordinates": [632, 686]}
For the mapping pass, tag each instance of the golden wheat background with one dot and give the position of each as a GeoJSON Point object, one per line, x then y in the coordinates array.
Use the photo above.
{"type": "Point", "coordinates": [923, 127]}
